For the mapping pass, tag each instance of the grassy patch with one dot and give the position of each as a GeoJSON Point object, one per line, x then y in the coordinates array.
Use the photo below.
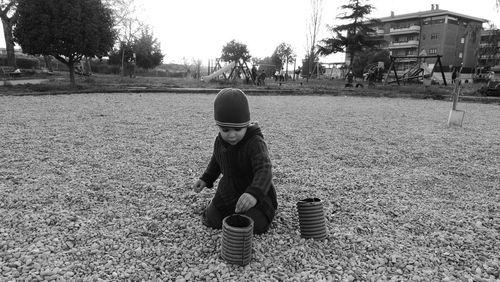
{"type": "Point", "coordinates": [113, 83]}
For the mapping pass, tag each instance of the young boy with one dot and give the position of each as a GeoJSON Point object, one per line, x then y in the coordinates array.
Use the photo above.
{"type": "Point", "coordinates": [240, 155]}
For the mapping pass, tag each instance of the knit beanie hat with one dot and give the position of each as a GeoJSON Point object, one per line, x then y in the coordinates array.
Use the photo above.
{"type": "Point", "coordinates": [231, 108]}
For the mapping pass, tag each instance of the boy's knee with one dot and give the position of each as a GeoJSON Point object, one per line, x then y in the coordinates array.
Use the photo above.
{"type": "Point", "coordinates": [211, 217]}
{"type": "Point", "coordinates": [261, 227]}
{"type": "Point", "coordinates": [261, 223]}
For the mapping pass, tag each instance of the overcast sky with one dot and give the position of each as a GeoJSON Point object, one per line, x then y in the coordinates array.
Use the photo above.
{"type": "Point", "coordinates": [198, 29]}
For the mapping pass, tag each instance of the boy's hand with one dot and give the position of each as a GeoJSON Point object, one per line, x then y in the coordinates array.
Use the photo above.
{"type": "Point", "coordinates": [199, 185]}
{"type": "Point", "coordinates": [245, 202]}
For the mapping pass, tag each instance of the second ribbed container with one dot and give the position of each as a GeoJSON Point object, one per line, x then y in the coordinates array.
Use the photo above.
{"type": "Point", "coordinates": [237, 234]}
{"type": "Point", "coordinates": [311, 218]}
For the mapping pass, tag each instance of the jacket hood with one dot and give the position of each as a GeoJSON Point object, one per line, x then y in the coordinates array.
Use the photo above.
{"type": "Point", "coordinates": [252, 130]}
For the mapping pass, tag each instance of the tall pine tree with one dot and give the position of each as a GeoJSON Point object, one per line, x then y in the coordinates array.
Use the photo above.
{"type": "Point", "coordinates": [356, 35]}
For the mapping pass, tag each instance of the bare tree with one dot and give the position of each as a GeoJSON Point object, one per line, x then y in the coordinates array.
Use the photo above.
{"type": "Point", "coordinates": [187, 66]}
{"type": "Point", "coordinates": [286, 55]}
{"type": "Point", "coordinates": [8, 15]}
{"type": "Point", "coordinates": [127, 24]}
{"type": "Point", "coordinates": [313, 26]}
{"type": "Point", "coordinates": [197, 66]}
{"type": "Point", "coordinates": [126, 21]}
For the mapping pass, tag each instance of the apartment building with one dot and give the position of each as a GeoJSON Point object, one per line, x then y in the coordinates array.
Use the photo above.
{"type": "Point", "coordinates": [489, 49]}
{"type": "Point", "coordinates": [456, 37]}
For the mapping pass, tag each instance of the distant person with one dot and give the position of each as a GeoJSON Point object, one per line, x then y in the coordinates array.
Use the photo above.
{"type": "Point", "coordinates": [371, 77]}
{"type": "Point", "coordinates": [261, 79]}
{"type": "Point", "coordinates": [349, 78]}
{"type": "Point", "coordinates": [130, 66]}
{"type": "Point", "coordinates": [254, 73]}
{"type": "Point", "coordinates": [297, 72]}
{"type": "Point", "coordinates": [454, 75]}
{"type": "Point", "coordinates": [240, 155]}
{"type": "Point", "coordinates": [276, 75]}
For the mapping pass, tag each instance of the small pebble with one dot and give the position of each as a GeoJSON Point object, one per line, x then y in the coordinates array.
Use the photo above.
{"type": "Point", "coordinates": [69, 274]}
{"type": "Point", "coordinates": [47, 273]}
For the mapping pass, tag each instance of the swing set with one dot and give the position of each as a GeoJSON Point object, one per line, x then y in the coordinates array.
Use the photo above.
{"type": "Point", "coordinates": [419, 71]}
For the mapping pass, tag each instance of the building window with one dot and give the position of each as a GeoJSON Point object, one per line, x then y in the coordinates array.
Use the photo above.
{"type": "Point", "coordinates": [434, 36]}
{"type": "Point", "coordinates": [410, 53]}
{"type": "Point", "coordinates": [433, 51]}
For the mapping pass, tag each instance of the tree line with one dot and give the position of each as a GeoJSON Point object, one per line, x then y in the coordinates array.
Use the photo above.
{"type": "Point", "coordinates": [74, 30]}
{"type": "Point", "coordinates": [353, 37]}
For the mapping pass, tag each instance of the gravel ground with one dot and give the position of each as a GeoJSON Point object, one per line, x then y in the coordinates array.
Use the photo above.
{"type": "Point", "coordinates": [96, 187]}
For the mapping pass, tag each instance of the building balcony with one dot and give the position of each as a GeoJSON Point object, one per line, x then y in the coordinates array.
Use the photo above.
{"type": "Point", "coordinates": [489, 57]}
{"type": "Point", "coordinates": [489, 45]}
{"type": "Point", "coordinates": [406, 30]}
{"type": "Point", "coordinates": [377, 33]}
{"type": "Point", "coordinates": [402, 45]}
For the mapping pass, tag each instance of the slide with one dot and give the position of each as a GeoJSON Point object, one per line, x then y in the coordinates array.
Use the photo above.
{"type": "Point", "coordinates": [218, 72]}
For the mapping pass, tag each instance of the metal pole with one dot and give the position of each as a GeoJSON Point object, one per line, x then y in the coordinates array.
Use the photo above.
{"type": "Point", "coordinates": [456, 93]}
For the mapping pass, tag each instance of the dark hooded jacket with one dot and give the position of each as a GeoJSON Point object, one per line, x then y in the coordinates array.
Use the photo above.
{"type": "Point", "coordinates": [245, 168]}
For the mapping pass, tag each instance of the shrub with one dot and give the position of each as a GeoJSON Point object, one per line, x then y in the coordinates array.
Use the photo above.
{"type": "Point", "coordinates": [152, 73]}
{"type": "Point", "coordinates": [7, 84]}
{"type": "Point", "coordinates": [40, 87]}
{"type": "Point", "coordinates": [48, 87]}
{"type": "Point", "coordinates": [22, 62]}
{"type": "Point", "coordinates": [27, 63]}
{"type": "Point", "coordinates": [104, 68]}
{"type": "Point", "coordinates": [89, 80]}
{"type": "Point", "coordinates": [176, 74]}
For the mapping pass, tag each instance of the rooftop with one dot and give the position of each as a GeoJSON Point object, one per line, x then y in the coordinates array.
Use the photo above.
{"type": "Point", "coordinates": [429, 13]}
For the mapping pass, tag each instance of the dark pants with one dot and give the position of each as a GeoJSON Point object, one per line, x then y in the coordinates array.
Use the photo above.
{"type": "Point", "coordinates": [212, 217]}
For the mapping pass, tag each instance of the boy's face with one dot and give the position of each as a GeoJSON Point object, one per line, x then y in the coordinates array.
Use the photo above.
{"type": "Point", "coordinates": [232, 135]}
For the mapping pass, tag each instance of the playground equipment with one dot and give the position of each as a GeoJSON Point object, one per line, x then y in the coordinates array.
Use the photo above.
{"type": "Point", "coordinates": [373, 72]}
{"type": "Point", "coordinates": [420, 71]}
{"type": "Point", "coordinates": [334, 69]}
{"type": "Point", "coordinates": [492, 88]}
{"type": "Point", "coordinates": [234, 69]}
{"type": "Point", "coordinates": [241, 68]}
{"type": "Point", "coordinates": [317, 69]}
{"type": "Point", "coordinates": [219, 72]}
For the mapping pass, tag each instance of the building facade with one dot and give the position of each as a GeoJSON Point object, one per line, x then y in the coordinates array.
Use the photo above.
{"type": "Point", "coordinates": [456, 37]}
{"type": "Point", "coordinates": [489, 50]}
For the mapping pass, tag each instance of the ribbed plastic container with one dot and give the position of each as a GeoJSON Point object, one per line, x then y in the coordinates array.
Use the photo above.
{"type": "Point", "coordinates": [311, 218]}
{"type": "Point", "coordinates": [237, 234]}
